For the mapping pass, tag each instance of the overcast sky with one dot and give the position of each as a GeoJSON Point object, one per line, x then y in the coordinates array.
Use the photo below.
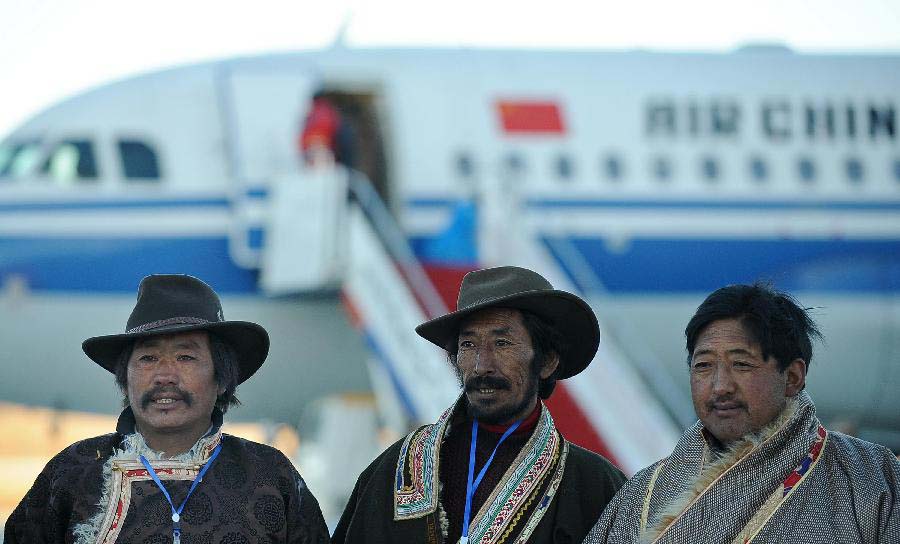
{"type": "Point", "coordinates": [50, 49]}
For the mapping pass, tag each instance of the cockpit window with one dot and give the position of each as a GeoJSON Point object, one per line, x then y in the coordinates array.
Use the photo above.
{"type": "Point", "coordinates": [139, 162]}
{"type": "Point", "coordinates": [71, 160]}
{"type": "Point", "coordinates": [18, 159]}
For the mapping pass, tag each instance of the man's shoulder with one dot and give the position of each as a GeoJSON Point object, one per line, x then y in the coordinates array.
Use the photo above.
{"type": "Point", "coordinates": [387, 459]}
{"type": "Point", "coordinates": [255, 452]}
{"type": "Point", "coordinates": [90, 451]}
{"type": "Point", "coordinates": [860, 454]}
{"type": "Point", "coordinates": [392, 452]}
{"type": "Point", "coordinates": [94, 448]}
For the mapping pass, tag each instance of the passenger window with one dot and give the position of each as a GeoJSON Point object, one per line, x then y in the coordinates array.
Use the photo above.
{"type": "Point", "coordinates": [807, 170]}
{"type": "Point", "coordinates": [564, 167]}
{"type": "Point", "coordinates": [759, 170]}
{"type": "Point", "coordinates": [71, 160]}
{"type": "Point", "coordinates": [465, 167]}
{"type": "Point", "coordinates": [139, 162]}
{"type": "Point", "coordinates": [710, 169]}
{"type": "Point", "coordinates": [515, 164]}
{"type": "Point", "coordinates": [854, 169]}
{"type": "Point", "coordinates": [661, 168]}
{"type": "Point", "coordinates": [612, 168]}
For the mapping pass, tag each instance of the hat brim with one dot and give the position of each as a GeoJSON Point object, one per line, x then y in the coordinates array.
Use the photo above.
{"type": "Point", "coordinates": [571, 316]}
{"type": "Point", "coordinates": [249, 340]}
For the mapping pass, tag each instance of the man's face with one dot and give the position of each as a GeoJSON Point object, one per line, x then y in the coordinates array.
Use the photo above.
{"type": "Point", "coordinates": [495, 366]}
{"type": "Point", "coordinates": [736, 391]}
{"type": "Point", "coordinates": [171, 383]}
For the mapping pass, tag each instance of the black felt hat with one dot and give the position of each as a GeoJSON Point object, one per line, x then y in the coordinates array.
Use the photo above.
{"type": "Point", "coordinates": [174, 303]}
{"type": "Point", "coordinates": [522, 289]}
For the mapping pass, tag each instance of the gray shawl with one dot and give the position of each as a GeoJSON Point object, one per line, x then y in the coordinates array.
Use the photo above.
{"type": "Point", "coordinates": [849, 494]}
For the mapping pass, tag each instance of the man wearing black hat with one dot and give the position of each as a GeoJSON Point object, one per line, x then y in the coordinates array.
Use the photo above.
{"type": "Point", "coordinates": [494, 468]}
{"type": "Point", "coordinates": [168, 473]}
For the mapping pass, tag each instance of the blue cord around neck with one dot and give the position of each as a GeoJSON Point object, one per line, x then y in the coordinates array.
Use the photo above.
{"type": "Point", "coordinates": [176, 513]}
{"type": "Point", "coordinates": [471, 485]}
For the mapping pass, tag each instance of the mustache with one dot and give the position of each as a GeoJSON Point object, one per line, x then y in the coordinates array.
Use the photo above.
{"type": "Point", "coordinates": [487, 382]}
{"type": "Point", "coordinates": [713, 403]}
{"type": "Point", "coordinates": [160, 390]}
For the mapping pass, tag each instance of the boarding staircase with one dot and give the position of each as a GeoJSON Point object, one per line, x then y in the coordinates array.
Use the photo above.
{"type": "Point", "coordinates": [329, 229]}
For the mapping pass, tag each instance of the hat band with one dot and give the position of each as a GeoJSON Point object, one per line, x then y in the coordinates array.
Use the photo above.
{"type": "Point", "coordinates": [165, 322]}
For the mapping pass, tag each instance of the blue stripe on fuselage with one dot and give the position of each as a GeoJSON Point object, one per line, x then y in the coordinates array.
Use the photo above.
{"type": "Point", "coordinates": [656, 204]}
{"type": "Point", "coordinates": [702, 265]}
{"type": "Point", "coordinates": [118, 264]}
{"type": "Point", "coordinates": [81, 205]}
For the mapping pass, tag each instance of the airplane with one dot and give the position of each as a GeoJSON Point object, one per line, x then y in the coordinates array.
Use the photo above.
{"type": "Point", "coordinates": [641, 180]}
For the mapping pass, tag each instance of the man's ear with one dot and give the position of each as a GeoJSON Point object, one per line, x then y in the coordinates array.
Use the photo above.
{"type": "Point", "coordinates": [550, 364]}
{"type": "Point", "coordinates": [796, 377]}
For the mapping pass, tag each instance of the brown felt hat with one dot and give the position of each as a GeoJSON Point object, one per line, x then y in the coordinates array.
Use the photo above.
{"type": "Point", "coordinates": [522, 289]}
{"type": "Point", "coordinates": [175, 303]}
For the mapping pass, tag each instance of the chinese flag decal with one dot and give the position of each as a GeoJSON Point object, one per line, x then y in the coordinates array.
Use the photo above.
{"type": "Point", "coordinates": [540, 117]}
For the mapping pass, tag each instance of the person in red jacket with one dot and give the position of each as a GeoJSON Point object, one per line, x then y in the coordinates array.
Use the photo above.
{"type": "Point", "coordinates": [326, 137]}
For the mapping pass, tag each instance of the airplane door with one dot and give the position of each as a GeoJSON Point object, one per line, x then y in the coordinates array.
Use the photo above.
{"type": "Point", "coordinates": [264, 109]}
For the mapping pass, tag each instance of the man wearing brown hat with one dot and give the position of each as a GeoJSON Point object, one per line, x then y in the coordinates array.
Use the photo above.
{"type": "Point", "coordinates": [168, 473]}
{"type": "Point", "coordinates": [493, 468]}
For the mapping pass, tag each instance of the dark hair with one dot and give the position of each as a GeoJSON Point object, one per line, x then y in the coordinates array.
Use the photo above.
{"type": "Point", "coordinates": [546, 341]}
{"type": "Point", "coordinates": [773, 319]}
{"type": "Point", "coordinates": [225, 368]}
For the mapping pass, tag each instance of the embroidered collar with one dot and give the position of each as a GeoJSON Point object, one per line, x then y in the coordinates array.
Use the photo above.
{"type": "Point", "coordinates": [694, 481]}
{"type": "Point", "coordinates": [133, 444]}
{"type": "Point", "coordinates": [124, 468]}
{"type": "Point", "coordinates": [417, 478]}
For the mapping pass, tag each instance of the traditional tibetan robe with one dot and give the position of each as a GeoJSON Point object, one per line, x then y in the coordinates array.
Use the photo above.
{"type": "Point", "coordinates": [539, 487]}
{"type": "Point", "coordinates": [98, 491]}
{"type": "Point", "coordinates": [793, 482]}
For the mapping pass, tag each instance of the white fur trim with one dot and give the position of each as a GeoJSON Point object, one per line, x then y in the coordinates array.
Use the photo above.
{"type": "Point", "coordinates": [133, 446]}
{"type": "Point", "coordinates": [711, 472]}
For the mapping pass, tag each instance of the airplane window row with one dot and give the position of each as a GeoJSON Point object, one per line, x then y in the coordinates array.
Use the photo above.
{"type": "Point", "coordinates": [75, 160]}
{"type": "Point", "coordinates": [663, 169]}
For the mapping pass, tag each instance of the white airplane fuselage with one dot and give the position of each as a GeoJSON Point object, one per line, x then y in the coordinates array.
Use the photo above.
{"type": "Point", "coordinates": [651, 178]}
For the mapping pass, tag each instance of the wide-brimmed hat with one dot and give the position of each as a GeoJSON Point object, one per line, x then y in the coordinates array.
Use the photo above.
{"type": "Point", "coordinates": [175, 303]}
{"type": "Point", "coordinates": [522, 289]}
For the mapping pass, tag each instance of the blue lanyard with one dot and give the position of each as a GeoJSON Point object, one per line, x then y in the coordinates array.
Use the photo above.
{"type": "Point", "coordinates": [176, 514]}
{"type": "Point", "coordinates": [472, 486]}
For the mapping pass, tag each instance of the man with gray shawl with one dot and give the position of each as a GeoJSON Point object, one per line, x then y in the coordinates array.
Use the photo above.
{"type": "Point", "coordinates": [758, 466]}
